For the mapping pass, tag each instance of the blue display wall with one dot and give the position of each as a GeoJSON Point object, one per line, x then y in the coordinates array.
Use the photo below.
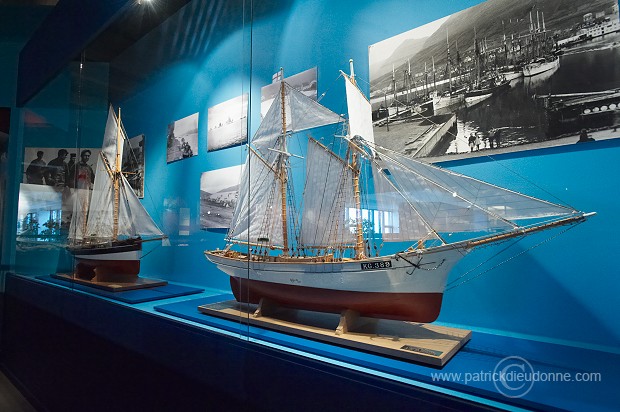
{"type": "Point", "coordinates": [559, 289]}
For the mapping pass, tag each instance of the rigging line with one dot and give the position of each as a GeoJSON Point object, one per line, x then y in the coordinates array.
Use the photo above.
{"type": "Point", "coordinates": [243, 160]}
{"type": "Point", "coordinates": [318, 99]}
{"type": "Point", "coordinates": [125, 199]}
{"type": "Point", "coordinates": [292, 211]}
{"type": "Point", "coordinates": [511, 258]}
{"type": "Point", "coordinates": [148, 253]}
{"type": "Point", "coordinates": [393, 184]}
{"type": "Point", "coordinates": [249, 110]}
{"type": "Point", "coordinates": [325, 183]}
{"type": "Point", "coordinates": [452, 282]}
{"type": "Point", "coordinates": [530, 182]}
{"type": "Point", "coordinates": [332, 208]}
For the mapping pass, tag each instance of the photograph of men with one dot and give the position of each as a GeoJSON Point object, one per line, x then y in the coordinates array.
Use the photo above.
{"type": "Point", "coordinates": [58, 170]}
{"type": "Point", "coordinates": [81, 175]}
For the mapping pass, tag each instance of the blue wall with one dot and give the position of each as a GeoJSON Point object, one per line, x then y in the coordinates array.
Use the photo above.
{"type": "Point", "coordinates": [563, 290]}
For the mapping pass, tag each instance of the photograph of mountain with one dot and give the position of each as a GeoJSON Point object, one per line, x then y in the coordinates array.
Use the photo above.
{"type": "Point", "coordinates": [219, 190]}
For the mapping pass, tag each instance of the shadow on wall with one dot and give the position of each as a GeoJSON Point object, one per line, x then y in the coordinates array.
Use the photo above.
{"type": "Point", "coordinates": [194, 31]}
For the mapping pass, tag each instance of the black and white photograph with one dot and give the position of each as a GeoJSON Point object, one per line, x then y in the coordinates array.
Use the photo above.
{"type": "Point", "coordinates": [305, 82]}
{"type": "Point", "coordinates": [51, 177]}
{"type": "Point", "coordinates": [60, 167]}
{"type": "Point", "coordinates": [40, 216]}
{"type": "Point", "coordinates": [133, 164]}
{"type": "Point", "coordinates": [499, 77]}
{"type": "Point", "coordinates": [219, 190]}
{"type": "Point", "coordinates": [228, 126]}
{"type": "Point", "coordinates": [183, 138]}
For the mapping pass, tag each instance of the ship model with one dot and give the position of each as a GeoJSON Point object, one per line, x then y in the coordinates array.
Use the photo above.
{"type": "Point", "coordinates": [541, 59]}
{"type": "Point", "coordinates": [109, 225]}
{"type": "Point", "coordinates": [324, 252]}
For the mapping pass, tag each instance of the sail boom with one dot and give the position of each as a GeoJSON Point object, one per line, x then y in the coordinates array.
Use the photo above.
{"type": "Point", "coordinates": [329, 247]}
{"type": "Point", "coordinates": [244, 242]}
{"type": "Point", "coordinates": [259, 157]}
{"type": "Point", "coordinates": [330, 152]}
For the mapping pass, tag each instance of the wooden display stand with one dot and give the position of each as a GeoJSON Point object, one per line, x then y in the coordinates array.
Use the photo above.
{"type": "Point", "coordinates": [418, 342]}
{"type": "Point", "coordinates": [111, 284]}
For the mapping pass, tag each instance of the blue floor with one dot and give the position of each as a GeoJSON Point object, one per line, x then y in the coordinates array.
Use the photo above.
{"type": "Point", "coordinates": [519, 372]}
{"type": "Point", "coordinates": [130, 296]}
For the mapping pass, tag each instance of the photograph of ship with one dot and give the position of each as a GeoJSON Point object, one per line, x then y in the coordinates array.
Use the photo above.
{"type": "Point", "coordinates": [499, 77]}
{"type": "Point", "coordinates": [219, 190]}
{"type": "Point", "coordinates": [183, 138]}
{"type": "Point", "coordinates": [228, 124]}
{"type": "Point", "coordinates": [133, 164]}
{"type": "Point", "coordinates": [305, 82]}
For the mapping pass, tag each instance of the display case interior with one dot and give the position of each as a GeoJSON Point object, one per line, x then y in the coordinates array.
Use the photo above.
{"type": "Point", "coordinates": [407, 189]}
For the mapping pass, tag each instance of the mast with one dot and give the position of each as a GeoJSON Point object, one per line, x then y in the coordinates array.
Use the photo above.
{"type": "Point", "coordinates": [449, 65]}
{"type": "Point", "coordinates": [425, 81]}
{"type": "Point", "coordinates": [282, 171]}
{"type": "Point", "coordinates": [359, 235]}
{"type": "Point", "coordinates": [478, 58]}
{"type": "Point", "coordinates": [434, 77]}
{"type": "Point", "coordinates": [393, 87]}
{"type": "Point", "coordinates": [115, 176]}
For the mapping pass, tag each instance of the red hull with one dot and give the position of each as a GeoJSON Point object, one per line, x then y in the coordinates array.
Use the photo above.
{"type": "Point", "coordinates": [413, 307]}
{"type": "Point", "coordinates": [107, 270]}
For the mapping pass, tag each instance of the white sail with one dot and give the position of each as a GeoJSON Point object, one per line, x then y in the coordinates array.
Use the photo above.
{"type": "Point", "coordinates": [133, 219]}
{"type": "Point", "coordinates": [81, 200]}
{"type": "Point", "coordinates": [302, 113]}
{"type": "Point", "coordinates": [101, 210]}
{"type": "Point", "coordinates": [258, 214]}
{"type": "Point", "coordinates": [360, 112]}
{"type": "Point", "coordinates": [328, 196]}
{"type": "Point", "coordinates": [449, 202]}
{"type": "Point", "coordinates": [397, 218]}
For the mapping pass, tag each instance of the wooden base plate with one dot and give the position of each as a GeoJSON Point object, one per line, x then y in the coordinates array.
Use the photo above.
{"type": "Point", "coordinates": [418, 342]}
{"type": "Point", "coordinates": [133, 284]}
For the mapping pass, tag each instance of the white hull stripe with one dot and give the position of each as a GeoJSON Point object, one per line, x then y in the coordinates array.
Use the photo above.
{"type": "Point", "coordinates": [129, 255]}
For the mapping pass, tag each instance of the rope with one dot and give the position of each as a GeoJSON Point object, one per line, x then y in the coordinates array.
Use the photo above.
{"type": "Point", "coordinates": [483, 262]}
{"type": "Point", "coordinates": [509, 259]}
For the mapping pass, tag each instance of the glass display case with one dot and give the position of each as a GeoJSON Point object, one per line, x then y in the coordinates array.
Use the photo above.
{"type": "Point", "coordinates": [410, 190]}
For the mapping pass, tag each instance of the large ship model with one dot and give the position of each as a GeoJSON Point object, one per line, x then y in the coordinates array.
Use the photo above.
{"type": "Point", "coordinates": [324, 252]}
{"type": "Point", "coordinates": [109, 225]}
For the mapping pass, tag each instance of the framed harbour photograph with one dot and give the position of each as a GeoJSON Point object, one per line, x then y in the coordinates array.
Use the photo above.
{"type": "Point", "coordinates": [219, 191]}
{"type": "Point", "coordinates": [499, 77]}
{"type": "Point", "coordinates": [182, 138]}
{"type": "Point", "coordinates": [228, 126]}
